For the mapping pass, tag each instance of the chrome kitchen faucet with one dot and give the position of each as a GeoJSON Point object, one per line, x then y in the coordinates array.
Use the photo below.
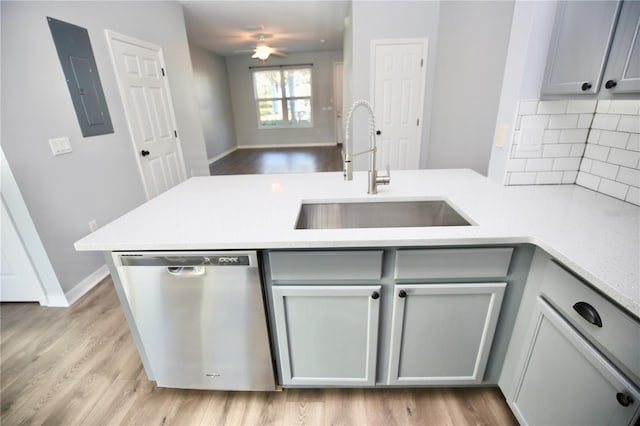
{"type": "Point", "coordinates": [374, 179]}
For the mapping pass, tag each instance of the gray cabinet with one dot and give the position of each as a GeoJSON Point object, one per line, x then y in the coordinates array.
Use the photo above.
{"type": "Point", "coordinates": [327, 335]}
{"type": "Point", "coordinates": [594, 49]}
{"type": "Point", "coordinates": [564, 380]}
{"type": "Point", "coordinates": [442, 333]}
{"type": "Point", "coordinates": [622, 74]}
{"type": "Point", "coordinates": [580, 43]}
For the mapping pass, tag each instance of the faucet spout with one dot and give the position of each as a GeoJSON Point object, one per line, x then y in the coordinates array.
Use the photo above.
{"type": "Point", "coordinates": [374, 180]}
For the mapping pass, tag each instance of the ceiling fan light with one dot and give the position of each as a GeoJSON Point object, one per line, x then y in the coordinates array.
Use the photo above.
{"type": "Point", "coordinates": [262, 52]}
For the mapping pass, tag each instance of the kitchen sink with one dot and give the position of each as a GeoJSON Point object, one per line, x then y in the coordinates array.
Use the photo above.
{"type": "Point", "coordinates": [380, 214]}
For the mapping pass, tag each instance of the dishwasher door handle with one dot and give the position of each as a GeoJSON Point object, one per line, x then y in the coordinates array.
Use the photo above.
{"type": "Point", "coordinates": [186, 271]}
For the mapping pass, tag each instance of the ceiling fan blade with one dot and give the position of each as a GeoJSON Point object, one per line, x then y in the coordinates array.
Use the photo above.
{"type": "Point", "coordinates": [278, 53]}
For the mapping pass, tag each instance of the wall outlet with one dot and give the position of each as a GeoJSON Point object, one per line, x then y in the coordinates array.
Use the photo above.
{"type": "Point", "coordinates": [93, 225]}
{"type": "Point", "coordinates": [500, 135]}
{"type": "Point", "coordinates": [60, 146]}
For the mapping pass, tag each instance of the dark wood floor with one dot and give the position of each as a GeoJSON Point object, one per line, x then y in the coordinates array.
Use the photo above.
{"type": "Point", "coordinates": [279, 160]}
{"type": "Point", "coordinates": [79, 365]}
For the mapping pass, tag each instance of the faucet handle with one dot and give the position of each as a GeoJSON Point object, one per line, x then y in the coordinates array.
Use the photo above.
{"type": "Point", "coordinates": [384, 179]}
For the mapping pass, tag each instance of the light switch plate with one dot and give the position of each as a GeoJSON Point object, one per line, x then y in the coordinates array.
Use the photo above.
{"type": "Point", "coordinates": [60, 146]}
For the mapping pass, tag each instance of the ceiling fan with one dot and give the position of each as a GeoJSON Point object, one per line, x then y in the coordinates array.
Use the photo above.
{"type": "Point", "coordinates": [263, 50]}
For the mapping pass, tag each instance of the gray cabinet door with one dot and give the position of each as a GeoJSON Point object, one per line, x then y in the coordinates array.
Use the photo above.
{"type": "Point", "coordinates": [327, 335]}
{"type": "Point", "coordinates": [582, 35]}
{"type": "Point", "coordinates": [442, 333]}
{"type": "Point", "coordinates": [623, 67]}
{"type": "Point", "coordinates": [565, 381]}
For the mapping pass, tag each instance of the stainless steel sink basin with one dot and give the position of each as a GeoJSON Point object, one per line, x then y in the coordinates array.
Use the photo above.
{"type": "Point", "coordinates": [382, 214]}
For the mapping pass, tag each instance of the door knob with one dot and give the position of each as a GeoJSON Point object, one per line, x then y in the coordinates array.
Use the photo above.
{"type": "Point", "coordinates": [402, 294]}
{"type": "Point", "coordinates": [144, 153]}
{"type": "Point", "coordinates": [375, 295]}
{"type": "Point", "coordinates": [623, 399]}
{"type": "Point", "coordinates": [585, 86]}
{"type": "Point", "coordinates": [610, 84]}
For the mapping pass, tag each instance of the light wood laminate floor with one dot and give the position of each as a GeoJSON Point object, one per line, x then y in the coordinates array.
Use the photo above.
{"type": "Point", "coordinates": [79, 365]}
{"type": "Point", "coordinates": [279, 160]}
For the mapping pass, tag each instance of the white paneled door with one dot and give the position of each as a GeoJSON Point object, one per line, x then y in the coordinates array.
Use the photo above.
{"type": "Point", "coordinates": [398, 95]}
{"type": "Point", "coordinates": [18, 279]}
{"type": "Point", "coordinates": [141, 76]}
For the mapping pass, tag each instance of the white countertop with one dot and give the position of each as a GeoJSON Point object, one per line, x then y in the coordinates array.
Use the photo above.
{"type": "Point", "coordinates": [595, 235]}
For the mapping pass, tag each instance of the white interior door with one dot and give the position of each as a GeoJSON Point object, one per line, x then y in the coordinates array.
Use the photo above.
{"type": "Point", "coordinates": [337, 99]}
{"type": "Point", "coordinates": [398, 98]}
{"type": "Point", "coordinates": [141, 76]}
{"type": "Point", "coordinates": [18, 279]}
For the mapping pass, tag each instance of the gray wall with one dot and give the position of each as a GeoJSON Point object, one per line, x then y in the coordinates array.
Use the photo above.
{"type": "Point", "coordinates": [244, 106]}
{"type": "Point", "coordinates": [214, 101]}
{"type": "Point", "coordinates": [373, 20]}
{"type": "Point", "coordinates": [472, 48]}
{"type": "Point", "coordinates": [99, 179]}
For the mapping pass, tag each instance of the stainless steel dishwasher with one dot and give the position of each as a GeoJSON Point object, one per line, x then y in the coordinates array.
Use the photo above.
{"type": "Point", "coordinates": [199, 317]}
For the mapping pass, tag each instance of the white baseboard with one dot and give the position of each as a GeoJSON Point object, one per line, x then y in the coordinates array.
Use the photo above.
{"type": "Point", "coordinates": [85, 285]}
{"type": "Point", "coordinates": [219, 156]}
{"type": "Point", "coordinates": [292, 145]}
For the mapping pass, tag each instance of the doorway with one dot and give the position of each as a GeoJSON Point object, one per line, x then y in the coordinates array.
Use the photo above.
{"type": "Point", "coordinates": [142, 80]}
{"type": "Point", "coordinates": [398, 85]}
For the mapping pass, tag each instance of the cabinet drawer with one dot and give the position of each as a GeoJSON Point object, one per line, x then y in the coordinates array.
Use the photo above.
{"type": "Point", "coordinates": [619, 334]}
{"type": "Point", "coordinates": [325, 265]}
{"type": "Point", "coordinates": [452, 263]}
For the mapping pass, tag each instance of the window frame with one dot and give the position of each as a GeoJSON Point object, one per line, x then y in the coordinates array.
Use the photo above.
{"type": "Point", "coordinates": [284, 100]}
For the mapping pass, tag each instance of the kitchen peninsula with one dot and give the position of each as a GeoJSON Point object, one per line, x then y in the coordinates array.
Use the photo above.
{"type": "Point", "coordinates": [527, 253]}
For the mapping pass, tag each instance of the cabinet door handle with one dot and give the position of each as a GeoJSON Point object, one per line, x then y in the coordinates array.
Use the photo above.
{"type": "Point", "coordinates": [375, 295]}
{"type": "Point", "coordinates": [610, 84]}
{"type": "Point", "coordinates": [624, 399]}
{"type": "Point", "coordinates": [144, 152]}
{"type": "Point", "coordinates": [588, 312]}
{"type": "Point", "coordinates": [586, 86]}
{"type": "Point", "coordinates": [402, 294]}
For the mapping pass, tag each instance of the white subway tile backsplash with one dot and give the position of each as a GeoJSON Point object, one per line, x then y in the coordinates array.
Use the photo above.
{"type": "Point", "coordinates": [605, 122]}
{"type": "Point", "coordinates": [577, 150]}
{"type": "Point", "coordinates": [615, 189]}
{"type": "Point", "coordinates": [569, 177]}
{"type": "Point", "coordinates": [595, 144]}
{"type": "Point", "coordinates": [603, 107]}
{"type": "Point", "coordinates": [551, 136]}
{"type": "Point", "coordinates": [522, 178]}
{"type": "Point", "coordinates": [517, 165]}
{"type": "Point", "coordinates": [633, 144]}
{"type": "Point", "coordinates": [623, 157]}
{"type": "Point", "coordinates": [605, 170]}
{"type": "Point", "coordinates": [534, 121]}
{"type": "Point", "coordinates": [556, 150]}
{"type": "Point", "coordinates": [585, 165]}
{"type": "Point", "coordinates": [613, 139]}
{"type": "Point", "coordinates": [596, 152]}
{"type": "Point", "coordinates": [539, 165]}
{"type": "Point", "coordinates": [588, 180]}
{"type": "Point", "coordinates": [548, 178]}
{"type": "Point", "coordinates": [629, 176]}
{"type": "Point", "coordinates": [631, 107]}
{"type": "Point", "coordinates": [584, 121]}
{"type": "Point", "coordinates": [552, 107]}
{"type": "Point", "coordinates": [581, 106]}
{"type": "Point", "coordinates": [566, 164]}
{"type": "Point", "coordinates": [594, 136]}
{"type": "Point", "coordinates": [629, 123]}
{"type": "Point", "coordinates": [563, 121]}
{"type": "Point", "coordinates": [633, 196]}
{"type": "Point", "coordinates": [528, 107]}
{"type": "Point", "coordinates": [573, 135]}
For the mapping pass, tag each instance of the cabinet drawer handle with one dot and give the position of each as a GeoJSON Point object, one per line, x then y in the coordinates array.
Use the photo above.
{"type": "Point", "coordinates": [610, 84]}
{"type": "Point", "coordinates": [402, 294]}
{"type": "Point", "coordinates": [375, 295]}
{"type": "Point", "coordinates": [588, 312]}
{"type": "Point", "coordinates": [586, 86]}
{"type": "Point", "coordinates": [624, 399]}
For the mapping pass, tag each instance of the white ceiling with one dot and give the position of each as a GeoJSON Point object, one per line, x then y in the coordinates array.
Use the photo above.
{"type": "Point", "coordinates": [226, 27]}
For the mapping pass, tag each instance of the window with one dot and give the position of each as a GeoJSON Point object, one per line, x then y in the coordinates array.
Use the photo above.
{"type": "Point", "coordinates": [283, 97]}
